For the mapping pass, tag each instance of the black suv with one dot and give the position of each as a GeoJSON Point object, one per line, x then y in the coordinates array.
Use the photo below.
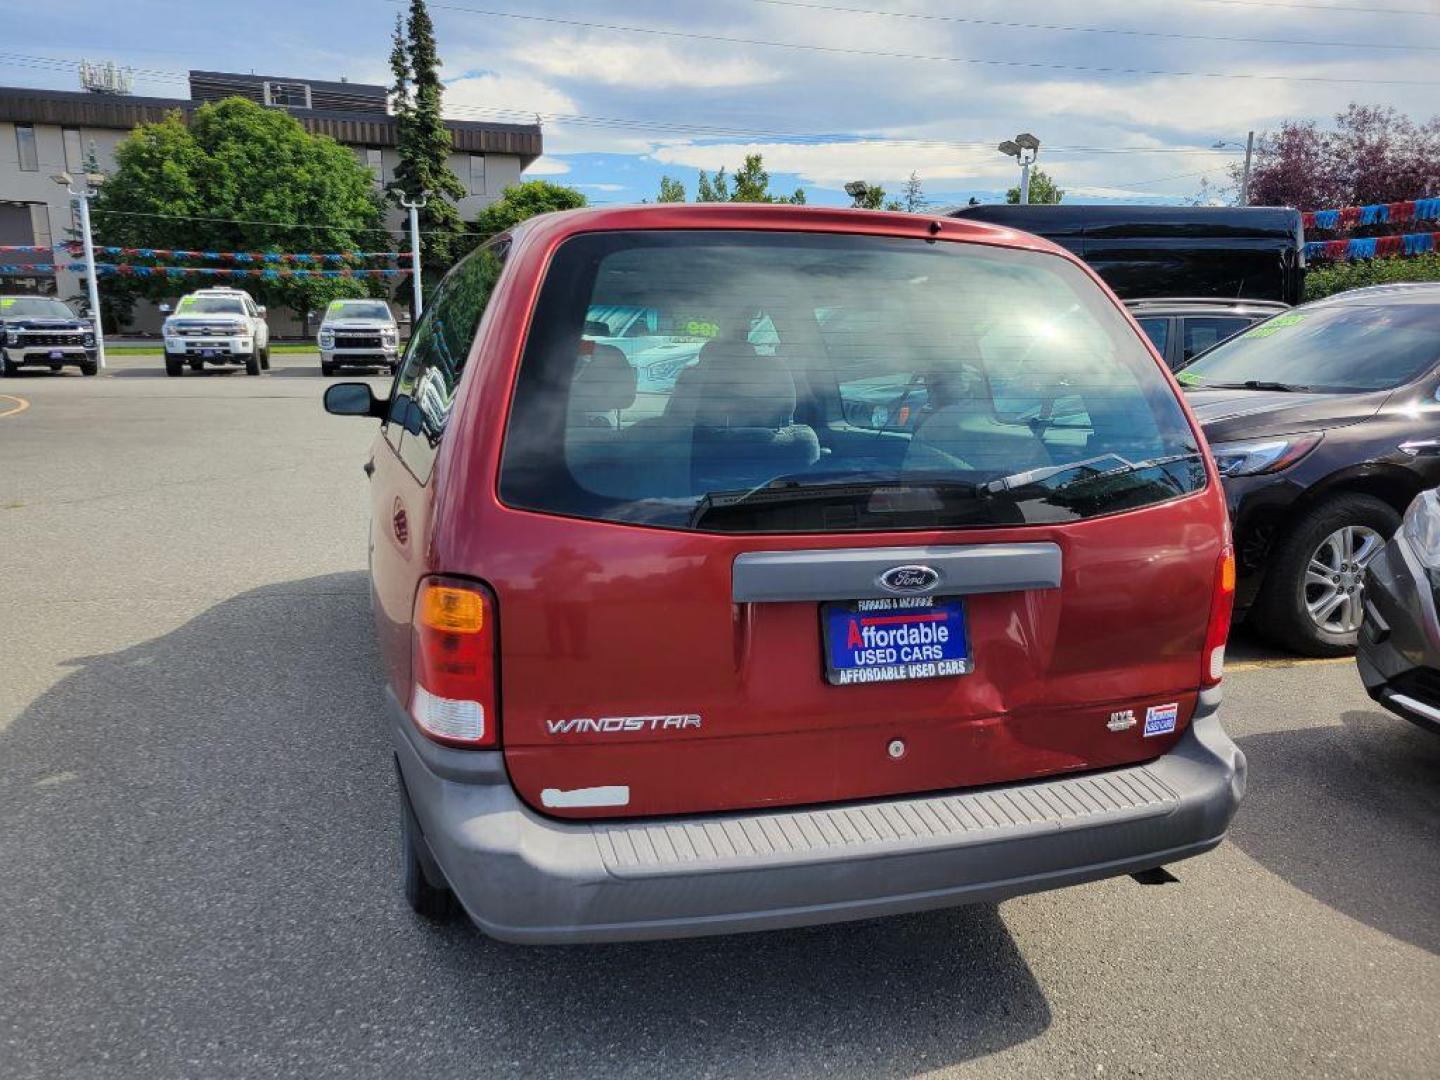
{"type": "Point", "coordinates": [1181, 328]}
{"type": "Point", "coordinates": [1325, 423]}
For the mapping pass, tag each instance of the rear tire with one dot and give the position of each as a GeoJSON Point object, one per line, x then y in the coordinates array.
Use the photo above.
{"type": "Point", "coordinates": [265, 358]}
{"type": "Point", "coordinates": [252, 364]}
{"type": "Point", "coordinates": [1303, 569]}
{"type": "Point", "coordinates": [174, 366]}
{"type": "Point", "coordinates": [434, 902]}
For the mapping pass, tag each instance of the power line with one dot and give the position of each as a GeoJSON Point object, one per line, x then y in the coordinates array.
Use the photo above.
{"type": "Point", "coordinates": [839, 50]}
{"type": "Point", "coordinates": [1321, 7]}
{"type": "Point", "coordinates": [1005, 24]}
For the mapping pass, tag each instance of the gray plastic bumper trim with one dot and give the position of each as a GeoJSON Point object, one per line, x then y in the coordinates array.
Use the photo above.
{"type": "Point", "coordinates": [854, 573]}
{"type": "Point", "coordinates": [527, 878]}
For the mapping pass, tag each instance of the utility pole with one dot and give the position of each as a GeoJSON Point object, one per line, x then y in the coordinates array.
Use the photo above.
{"type": "Point", "coordinates": [414, 208]}
{"type": "Point", "coordinates": [1245, 176]}
{"type": "Point", "coordinates": [89, 188]}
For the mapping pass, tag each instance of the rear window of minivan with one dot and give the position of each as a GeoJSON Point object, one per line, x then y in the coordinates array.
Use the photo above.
{"type": "Point", "coordinates": [739, 381]}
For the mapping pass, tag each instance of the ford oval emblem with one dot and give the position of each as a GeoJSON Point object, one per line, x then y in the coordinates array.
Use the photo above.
{"type": "Point", "coordinates": [909, 579]}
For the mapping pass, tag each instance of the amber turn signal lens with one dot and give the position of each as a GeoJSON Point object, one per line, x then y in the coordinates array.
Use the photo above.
{"type": "Point", "coordinates": [460, 611]}
{"type": "Point", "coordinates": [1227, 572]}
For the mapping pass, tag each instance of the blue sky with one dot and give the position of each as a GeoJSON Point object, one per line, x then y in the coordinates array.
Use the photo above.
{"type": "Point", "coordinates": [656, 90]}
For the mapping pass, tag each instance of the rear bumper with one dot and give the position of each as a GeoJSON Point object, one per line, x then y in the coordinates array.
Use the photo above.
{"type": "Point", "coordinates": [526, 878]}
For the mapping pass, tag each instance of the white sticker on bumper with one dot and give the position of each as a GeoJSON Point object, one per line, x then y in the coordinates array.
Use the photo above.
{"type": "Point", "coordinates": [617, 795]}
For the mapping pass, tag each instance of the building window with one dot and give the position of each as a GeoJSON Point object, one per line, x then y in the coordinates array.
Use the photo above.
{"type": "Point", "coordinates": [74, 150]}
{"type": "Point", "coordinates": [477, 174]}
{"type": "Point", "coordinates": [40, 225]}
{"type": "Point", "coordinates": [287, 95]}
{"type": "Point", "coordinates": [25, 144]}
{"type": "Point", "coordinates": [375, 159]}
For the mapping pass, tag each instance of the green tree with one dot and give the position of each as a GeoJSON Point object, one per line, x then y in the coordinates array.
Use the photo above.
{"type": "Point", "coordinates": [1042, 189]}
{"type": "Point", "coordinates": [671, 190]}
{"type": "Point", "coordinates": [218, 183]}
{"type": "Point", "coordinates": [424, 143]}
{"type": "Point", "coordinates": [712, 191]}
{"type": "Point", "coordinates": [751, 184]}
{"type": "Point", "coordinates": [913, 195]}
{"type": "Point", "coordinates": [520, 201]}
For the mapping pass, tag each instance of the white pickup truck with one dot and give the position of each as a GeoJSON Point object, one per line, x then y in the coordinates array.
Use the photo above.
{"type": "Point", "coordinates": [359, 333]}
{"type": "Point", "coordinates": [217, 326]}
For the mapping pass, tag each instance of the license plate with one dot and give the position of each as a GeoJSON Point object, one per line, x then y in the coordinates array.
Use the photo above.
{"type": "Point", "coordinates": [894, 639]}
{"type": "Point", "coordinates": [57, 355]}
{"type": "Point", "coordinates": [207, 353]}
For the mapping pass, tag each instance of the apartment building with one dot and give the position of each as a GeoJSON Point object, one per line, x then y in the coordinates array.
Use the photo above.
{"type": "Point", "coordinates": [44, 132]}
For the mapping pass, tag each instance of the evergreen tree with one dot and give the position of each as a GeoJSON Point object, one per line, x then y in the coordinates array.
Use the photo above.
{"type": "Point", "coordinates": [424, 144]}
{"type": "Point", "coordinates": [671, 190]}
{"type": "Point", "coordinates": [914, 199]}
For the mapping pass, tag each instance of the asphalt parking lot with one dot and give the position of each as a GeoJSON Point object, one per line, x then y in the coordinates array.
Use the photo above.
{"type": "Point", "coordinates": [199, 841]}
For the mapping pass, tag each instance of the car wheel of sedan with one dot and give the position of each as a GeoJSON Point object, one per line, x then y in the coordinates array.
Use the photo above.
{"type": "Point", "coordinates": [174, 366]}
{"type": "Point", "coordinates": [1313, 598]}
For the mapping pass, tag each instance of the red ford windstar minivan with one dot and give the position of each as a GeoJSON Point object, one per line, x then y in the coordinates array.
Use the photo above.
{"type": "Point", "coordinates": [739, 567]}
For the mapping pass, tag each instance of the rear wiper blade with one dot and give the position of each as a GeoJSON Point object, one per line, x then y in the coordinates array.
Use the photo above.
{"type": "Point", "coordinates": [1256, 384]}
{"type": "Point", "coordinates": [793, 490]}
{"type": "Point", "coordinates": [1090, 467]}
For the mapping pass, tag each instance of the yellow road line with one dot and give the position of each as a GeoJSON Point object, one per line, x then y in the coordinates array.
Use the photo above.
{"type": "Point", "coordinates": [20, 405]}
{"type": "Point", "coordinates": [1260, 665]}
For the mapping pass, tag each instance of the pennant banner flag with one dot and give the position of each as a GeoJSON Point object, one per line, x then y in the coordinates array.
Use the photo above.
{"type": "Point", "coordinates": [268, 273]}
{"type": "Point", "coordinates": [1347, 217]}
{"type": "Point", "coordinates": [1371, 247]}
{"type": "Point", "coordinates": [241, 257]}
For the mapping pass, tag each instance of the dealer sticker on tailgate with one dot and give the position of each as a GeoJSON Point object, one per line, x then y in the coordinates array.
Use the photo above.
{"type": "Point", "coordinates": [890, 639]}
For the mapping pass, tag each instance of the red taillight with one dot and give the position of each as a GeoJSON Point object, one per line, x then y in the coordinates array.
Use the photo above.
{"type": "Point", "coordinates": [1222, 604]}
{"type": "Point", "coordinates": [453, 700]}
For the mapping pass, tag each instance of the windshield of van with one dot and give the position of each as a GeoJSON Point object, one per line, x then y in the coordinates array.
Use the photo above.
{"type": "Point", "coordinates": [375, 310]}
{"type": "Point", "coordinates": [34, 307]}
{"type": "Point", "coordinates": [1333, 348]}
{"type": "Point", "coordinates": [802, 382]}
{"type": "Point", "coordinates": [210, 305]}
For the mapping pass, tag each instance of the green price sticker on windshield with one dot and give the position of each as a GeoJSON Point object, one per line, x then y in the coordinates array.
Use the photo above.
{"type": "Point", "coordinates": [1278, 323]}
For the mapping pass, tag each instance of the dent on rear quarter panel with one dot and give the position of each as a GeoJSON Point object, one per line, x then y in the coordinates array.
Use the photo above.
{"type": "Point", "coordinates": [599, 619]}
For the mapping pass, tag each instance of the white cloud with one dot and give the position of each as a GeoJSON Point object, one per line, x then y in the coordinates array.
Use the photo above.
{"type": "Point", "coordinates": [651, 65]}
{"type": "Point", "coordinates": [488, 95]}
{"type": "Point", "coordinates": [600, 187]}
{"type": "Point", "coordinates": [548, 166]}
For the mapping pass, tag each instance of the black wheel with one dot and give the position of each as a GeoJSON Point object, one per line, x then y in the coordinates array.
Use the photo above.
{"type": "Point", "coordinates": [394, 370]}
{"type": "Point", "coordinates": [90, 367]}
{"type": "Point", "coordinates": [174, 366]}
{"type": "Point", "coordinates": [265, 358]}
{"type": "Point", "coordinates": [427, 899]}
{"type": "Point", "coordinates": [1312, 601]}
{"type": "Point", "coordinates": [327, 368]}
{"type": "Point", "coordinates": [12, 369]}
{"type": "Point", "coordinates": [252, 364]}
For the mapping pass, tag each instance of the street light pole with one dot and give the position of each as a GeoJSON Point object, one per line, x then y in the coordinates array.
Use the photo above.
{"type": "Point", "coordinates": [414, 208]}
{"type": "Point", "coordinates": [88, 191]}
{"type": "Point", "coordinates": [1024, 148]}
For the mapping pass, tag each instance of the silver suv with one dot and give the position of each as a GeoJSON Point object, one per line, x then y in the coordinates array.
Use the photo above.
{"type": "Point", "coordinates": [361, 333]}
{"type": "Point", "coordinates": [217, 326]}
